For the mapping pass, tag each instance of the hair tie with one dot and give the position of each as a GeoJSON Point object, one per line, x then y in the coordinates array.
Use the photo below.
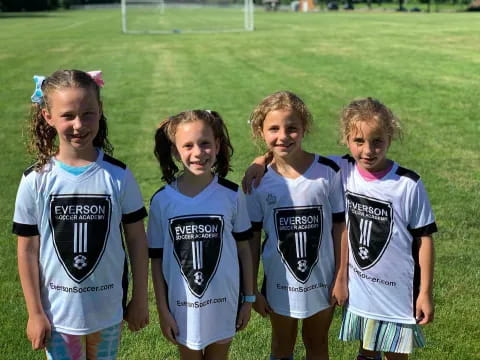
{"type": "Point", "coordinates": [37, 96]}
{"type": "Point", "coordinates": [96, 75]}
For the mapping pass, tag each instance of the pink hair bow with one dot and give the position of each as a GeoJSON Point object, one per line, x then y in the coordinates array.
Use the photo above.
{"type": "Point", "coordinates": [97, 77]}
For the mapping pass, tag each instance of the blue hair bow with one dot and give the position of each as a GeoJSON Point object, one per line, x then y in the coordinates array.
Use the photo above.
{"type": "Point", "coordinates": [37, 96]}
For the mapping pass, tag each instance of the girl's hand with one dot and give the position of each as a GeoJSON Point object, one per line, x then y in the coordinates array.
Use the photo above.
{"type": "Point", "coordinates": [339, 294]}
{"type": "Point", "coordinates": [39, 331]}
{"type": "Point", "coordinates": [261, 305]}
{"type": "Point", "coordinates": [244, 316]}
{"type": "Point", "coordinates": [424, 309]}
{"type": "Point", "coordinates": [254, 174]}
{"type": "Point", "coordinates": [169, 327]}
{"type": "Point", "coordinates": [137, 314]}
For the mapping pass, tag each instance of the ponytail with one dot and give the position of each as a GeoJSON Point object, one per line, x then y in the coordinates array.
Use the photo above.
{"type": "Point", "coordinates": [163, 151]}
{"type": "Point", "coordinates": [42, 136]}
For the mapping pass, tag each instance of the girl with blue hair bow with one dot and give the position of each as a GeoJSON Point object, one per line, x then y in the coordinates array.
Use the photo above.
{"type": "Point", "coordinates": [72, 209]}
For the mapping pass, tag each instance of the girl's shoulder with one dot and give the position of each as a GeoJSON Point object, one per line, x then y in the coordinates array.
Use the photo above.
{"type": "Point", "coordinates": [34, 171]}
{"type": "Point", "coordinates": [225, 191]}
{"type": "Point", "coordinates": [111, 164]}
{"type": "Point", "coordinates": [342, 161]}
{"type": "Point", "coordinates": [227, 184]}
{"type": "Point", "coordinates": [328, 162]}
{"type": "Point", "coordinates": [114, 169]}
{"type": "Point", "coordinates": [407, 173]}
{"type": "Point", "coordinates": [30, 170]}
{"type": "Point", "coordinates": [157, 195]}
{"type": "Point", "coordinates": [113, 161]}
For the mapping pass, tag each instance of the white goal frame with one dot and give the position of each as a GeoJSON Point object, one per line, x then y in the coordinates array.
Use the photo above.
{"type": "Point", "coordinates": [248, 10]}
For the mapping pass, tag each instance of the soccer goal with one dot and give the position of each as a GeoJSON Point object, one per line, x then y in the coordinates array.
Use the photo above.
{"type": "Point", "coordinates": [178, 16]}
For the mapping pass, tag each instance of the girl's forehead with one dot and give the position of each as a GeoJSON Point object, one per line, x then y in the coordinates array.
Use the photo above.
{"type": "Point", "coordinates": [69, 94]}
{"type": "Point", "coordinates": [196, 126]}
{"type": "Point", "coordinates": [286, 115]}
{"type": "Point", "coordinates": [367, 128]}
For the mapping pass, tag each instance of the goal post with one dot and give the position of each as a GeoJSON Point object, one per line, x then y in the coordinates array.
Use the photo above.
{"type": "Point", "coordinates": [189, 16]}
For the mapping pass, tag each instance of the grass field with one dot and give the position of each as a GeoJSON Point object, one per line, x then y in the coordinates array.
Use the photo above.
{"type": "Point", "coordinates": [185, 19]}
{"type": "Point", "coordinates": [424, 66]}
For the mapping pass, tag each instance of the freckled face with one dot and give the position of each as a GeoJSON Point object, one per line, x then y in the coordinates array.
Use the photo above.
{"type": "Point", "coordinates": [368, 144]}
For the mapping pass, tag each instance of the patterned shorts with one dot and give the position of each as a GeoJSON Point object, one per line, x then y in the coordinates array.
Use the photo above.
{"type": "Point", "coordinates": [100, 345]}
{"type": "Point", "coordinates": [377, 335]}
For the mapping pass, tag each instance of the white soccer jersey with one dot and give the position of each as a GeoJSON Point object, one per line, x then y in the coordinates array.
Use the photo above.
{"type": "Point", "coordinates": [81, 261]}
{"type": "Point", "coordinates": [383, 218]}
{"type": "Point", "coordinates": [197, 239]}
{"type": "Point", "coordinates": [298, 253]}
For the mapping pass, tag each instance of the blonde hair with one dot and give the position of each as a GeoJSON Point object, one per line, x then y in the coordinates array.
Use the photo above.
{"type": "Point", "coordinates": [165, 141]}
{"type": "Point", "coordinates": [281, 100]}
{"type": "Point", "coordinates": [368, 110]}
{"type": "Point", "coordinates": [42, 142]}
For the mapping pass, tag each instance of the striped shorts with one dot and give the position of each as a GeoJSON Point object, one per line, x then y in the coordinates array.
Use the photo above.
{"type": "Point", "coordinates": [377, 335]}
{"type": "Point", "coordinates": [100, 345]}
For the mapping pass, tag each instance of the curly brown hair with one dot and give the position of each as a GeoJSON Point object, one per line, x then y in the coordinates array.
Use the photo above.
{"type": "Point", "coordinates": [42, 142]}
{"type": "Point", "coordinates": [366, 110]}
{"type": "Point", "coordinates": [281, 100]}
{"type": "Point", "coordinates": [165, 141]}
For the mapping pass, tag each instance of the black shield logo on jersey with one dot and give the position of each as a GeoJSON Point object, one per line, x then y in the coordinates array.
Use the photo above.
{"type": "Point", "coordinates": [80, 225]}
{"type": "Point", "coordinates": [370, 223]}
{"type": "Point", "coordinates": [197, 243]}
{"type": "Point", "coordinates": [299, 233]}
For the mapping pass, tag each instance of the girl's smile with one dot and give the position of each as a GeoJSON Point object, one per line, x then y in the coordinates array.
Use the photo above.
{"type": "Point", "coordinates": [368, 144]}
{"type": "Point", "coordinates": [196, 147]}
{"type": "Point", "coordinates": [75, 113]}
{"type": "Point", "coordinates": [283, 132]}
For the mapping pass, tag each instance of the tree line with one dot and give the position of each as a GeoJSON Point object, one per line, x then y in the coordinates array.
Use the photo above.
{"type": "Point", "coordinates": [39, 5]}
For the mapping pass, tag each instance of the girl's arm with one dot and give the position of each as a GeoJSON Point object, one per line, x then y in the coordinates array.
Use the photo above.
{"type": "Point", "coordinates": [254, 174]}
{"type": "Point", "coordinates": [340, 246]}
{"type": "Point", "coordinates": [424, 305]}
{"type": "Point", "coordinates": [245, 257]}
{"type": "Point", "coordinates": [261, 305]}
{"type": "Point", "coordinates": [38, 326]}
{"type": "Point", "coordinates": [167, 322]}
{"type": "Point", "coordinates": [137, 309]}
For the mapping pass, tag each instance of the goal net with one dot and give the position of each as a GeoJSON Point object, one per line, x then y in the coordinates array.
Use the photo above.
{"type": "Point", "coordinates": [177, 16]}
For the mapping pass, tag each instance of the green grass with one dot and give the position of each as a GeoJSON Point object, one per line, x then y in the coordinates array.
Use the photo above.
{"type": "Point", "coordinates": [184, 19]}
{"type": "Point", "coordinates": [424, 66]}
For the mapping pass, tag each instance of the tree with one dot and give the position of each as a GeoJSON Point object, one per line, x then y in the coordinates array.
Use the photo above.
{"type": "Point", "coordinates": [28, 5]}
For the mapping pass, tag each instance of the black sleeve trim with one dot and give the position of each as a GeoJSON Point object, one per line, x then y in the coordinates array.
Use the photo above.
{"type": "Point", "coordinates": [114, 161]}
{"type": "Point", "coordinates": [424, 230]}
{"type": "Point", "coordinates": [156, 192]}
{"type": "Point", "coordinates": [328, 162]}
{"type": "Point", "coordinates": [348, 158]}
{"type": "Point", "coordinates": [228, 184]}
{"type": "Point", "coordinates": [257, 226]}
{"type": "Point", "coordinates": [401, 171]}
{"type": "Point", "coordinates": [25, 229]}
{"type": "Point", "coordinates": [338, 217]}
{"type": "Point", "coordinates": [29, 170]}
{"type": "Point", "coordinates": [155, 253]}
{"type": "Point", "coordinates": [242, 236]}
{"type": "Point", "coordinates": [134, 216]}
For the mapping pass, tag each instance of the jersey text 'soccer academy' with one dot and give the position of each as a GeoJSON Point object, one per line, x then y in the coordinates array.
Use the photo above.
{"type": "Point", "coordinates": [195, 236]}
{"type": "Point", "coordinates": [78, 219]}
{"type": "Point", "coordinates": [383, 219]}
{"type": "Point", "coordinates": [296, 215]}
